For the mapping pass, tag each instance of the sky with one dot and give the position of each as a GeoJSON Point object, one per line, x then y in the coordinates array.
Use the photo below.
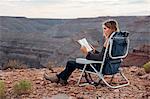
{"type": "Point", "coordinates": [74, 8]}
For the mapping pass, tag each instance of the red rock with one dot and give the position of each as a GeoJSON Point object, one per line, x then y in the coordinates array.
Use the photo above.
{"type": "Point", "coordinates": [37, 82]}
{"type": "Point", "coordinates": [90, 87]}
{"type": "Point", "coordinates": [72, 94]}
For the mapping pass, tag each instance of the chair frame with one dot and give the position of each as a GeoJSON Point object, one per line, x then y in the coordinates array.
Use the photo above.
{"type": "Point", "coordinates": [99, 73]}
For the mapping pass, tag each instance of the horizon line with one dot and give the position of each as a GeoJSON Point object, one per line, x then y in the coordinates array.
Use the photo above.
{"type": "Point", "coordinates": [75, 17]}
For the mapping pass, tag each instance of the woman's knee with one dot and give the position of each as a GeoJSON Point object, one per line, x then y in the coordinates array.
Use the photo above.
{"type": "Point", "coordinates": [74, 65]}
{"type": "Point", "coordinates": [71, 63]}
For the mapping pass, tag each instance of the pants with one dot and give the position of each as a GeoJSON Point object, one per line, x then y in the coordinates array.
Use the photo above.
{"type": "Point", "coordinates": [71, 66]}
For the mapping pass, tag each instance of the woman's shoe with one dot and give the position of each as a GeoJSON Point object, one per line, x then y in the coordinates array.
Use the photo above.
{"type": "Point", "coordinates": [63, 82]}
{"type": "Point", "coordinates": [55, 79]}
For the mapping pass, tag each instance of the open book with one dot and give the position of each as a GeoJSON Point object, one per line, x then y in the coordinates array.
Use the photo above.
{"type": "Point", "coordinates": [83, 42]}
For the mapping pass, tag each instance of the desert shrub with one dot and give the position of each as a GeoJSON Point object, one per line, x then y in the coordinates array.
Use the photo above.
{"type": "Point", "coordinates": [147, 67]}
{"type": "Point", "coordinates": [2, 90]}
{"type": "Point", "coordinates": [22, 87]}
{"type": "Point", "coordinates": [13, 64]}
{"type": "Point", "coordinates": [50, 66]}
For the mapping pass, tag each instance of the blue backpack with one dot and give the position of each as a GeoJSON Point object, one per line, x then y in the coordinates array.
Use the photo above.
{"type": "Point", "coordinates": [118, 49]}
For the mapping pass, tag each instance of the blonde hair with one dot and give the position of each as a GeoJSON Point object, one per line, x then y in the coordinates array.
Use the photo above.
{"type": "Point", "coordinates": [112, 24]}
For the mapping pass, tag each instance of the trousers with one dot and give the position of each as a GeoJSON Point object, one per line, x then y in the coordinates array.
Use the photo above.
{"type": "Point", "coordinates": [71, 66]}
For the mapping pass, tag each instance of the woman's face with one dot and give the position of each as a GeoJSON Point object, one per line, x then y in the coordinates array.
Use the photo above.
{"type": "Point", "coordinates": [106, 31]}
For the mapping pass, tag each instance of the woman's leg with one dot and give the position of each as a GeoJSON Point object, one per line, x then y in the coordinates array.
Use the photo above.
{"type": "Point", "coordinates": [70, 67]}
{"type": "Point", "coordinates": [64, 75]}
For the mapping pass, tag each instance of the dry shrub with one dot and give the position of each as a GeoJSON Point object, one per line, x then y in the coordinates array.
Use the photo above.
{"type": "Point", "coordinates": [2, 90]}
{"type": "Point", "coordinates": [147, 67]}
{"type": "Point", "coordinates": [14, 64]}
{"type": "Point", "coordinates": [50, 66]}
{"type": "Point", "coordinates": [22, 87]}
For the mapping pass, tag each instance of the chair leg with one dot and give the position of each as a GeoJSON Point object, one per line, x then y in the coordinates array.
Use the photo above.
{"type": "Point", "coordinates": [102, 78]}
{"type": "Point", "coordinates": [81, 74]}
{"type": "Point", "coordinates": [118, 85]}
{"type": "Point", "coordinates": [90, 80]}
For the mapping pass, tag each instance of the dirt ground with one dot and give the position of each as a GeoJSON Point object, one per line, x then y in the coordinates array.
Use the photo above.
{"type": "Point", "coordinates": [139, 87]}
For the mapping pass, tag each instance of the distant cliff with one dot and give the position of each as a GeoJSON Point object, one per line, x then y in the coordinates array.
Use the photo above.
{"type": "Point", "coordinates": [37, 41]}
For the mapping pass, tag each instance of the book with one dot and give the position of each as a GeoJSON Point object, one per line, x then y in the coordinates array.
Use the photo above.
{"type": "Point", "coordinates": [83, 42]}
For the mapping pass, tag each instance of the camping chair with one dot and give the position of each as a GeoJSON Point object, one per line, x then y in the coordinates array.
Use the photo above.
{"type": "Point", "coordinates": [116, 50]}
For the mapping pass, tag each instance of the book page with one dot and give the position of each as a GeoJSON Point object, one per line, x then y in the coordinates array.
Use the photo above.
{"type": "Point", "coordinates": [83, 42]}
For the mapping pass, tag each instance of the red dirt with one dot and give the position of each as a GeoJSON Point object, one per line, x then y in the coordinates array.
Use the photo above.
{"type": "Point", "coordinates": [139, 87]}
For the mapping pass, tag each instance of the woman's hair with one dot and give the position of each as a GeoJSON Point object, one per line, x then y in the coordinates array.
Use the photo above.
{"type": "Point", "coordinates": [112, 24]}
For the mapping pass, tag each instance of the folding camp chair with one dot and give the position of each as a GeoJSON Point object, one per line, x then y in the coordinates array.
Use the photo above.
{"type": "Point", "coordinates": [116, 50]}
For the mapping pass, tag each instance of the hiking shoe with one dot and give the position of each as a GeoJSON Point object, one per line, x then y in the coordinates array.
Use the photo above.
{"type": "Point", "coordinates": [62, 82]}
{"type": "Point", "coordinates": [53, 79]}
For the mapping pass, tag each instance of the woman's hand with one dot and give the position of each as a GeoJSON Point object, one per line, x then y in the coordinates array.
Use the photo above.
{"type": "Point", "coordinates": [84, 50]}
{"type": "Point", "coordinates": [93, 48]}
{"type": "Point", "coordinates": [105, 43]}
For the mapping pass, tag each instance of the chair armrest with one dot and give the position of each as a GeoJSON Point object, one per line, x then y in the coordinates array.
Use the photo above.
{"type": "Point", "coordinates": [85, 61]}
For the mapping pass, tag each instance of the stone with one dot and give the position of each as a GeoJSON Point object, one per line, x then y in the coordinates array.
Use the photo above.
{"type": "Point", "coordinates": [60, 96]}
{"type": "Point", "coordinates": [90, 87]}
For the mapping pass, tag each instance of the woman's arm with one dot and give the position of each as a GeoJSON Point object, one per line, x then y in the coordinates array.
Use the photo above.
{"type": "Point", "coordinates": [96, 56]}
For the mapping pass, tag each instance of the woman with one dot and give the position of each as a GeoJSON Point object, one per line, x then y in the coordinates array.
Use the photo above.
{"type": "Point", "coordinates": [109, 27]}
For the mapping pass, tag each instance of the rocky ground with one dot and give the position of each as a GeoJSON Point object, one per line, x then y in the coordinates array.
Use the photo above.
{"type": "Point", "coordinates": [139, 87]}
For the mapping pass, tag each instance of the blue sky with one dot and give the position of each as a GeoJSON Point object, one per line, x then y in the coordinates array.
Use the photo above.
{"type": "Point", "coordinates": [73, 8]}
